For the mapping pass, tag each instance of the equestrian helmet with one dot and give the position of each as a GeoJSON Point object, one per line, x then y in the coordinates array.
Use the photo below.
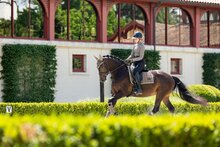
{"type": "Point", "coordinates": [137, 35]}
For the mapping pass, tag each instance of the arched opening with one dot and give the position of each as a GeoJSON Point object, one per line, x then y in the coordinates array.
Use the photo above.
{"type": "Point", "coordinates": [26, 21]}
{"type": "Point", "coordinates": [210, 29]}
{"type": "Point", "coordinates": [75, 20]}
{"type": "Point", "coordinates": [123, 21]}
{"type": "Point", "coordinates": [173, 27]}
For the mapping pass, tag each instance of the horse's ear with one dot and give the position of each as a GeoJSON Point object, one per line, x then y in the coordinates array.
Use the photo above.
{"type": "Point", "coordinates": [100, 57]}
{"type": "Point", "coordinates": [96, 58]}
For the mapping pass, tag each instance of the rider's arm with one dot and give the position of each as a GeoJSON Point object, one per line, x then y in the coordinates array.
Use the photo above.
{"type": "Point", "coordinates": [131, 55]}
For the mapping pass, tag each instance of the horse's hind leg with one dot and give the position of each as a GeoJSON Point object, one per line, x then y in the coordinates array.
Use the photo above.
{"type": "Point", "coordinates": [158, 100]}
{"type": "Point", "coordinates": [167, 102]}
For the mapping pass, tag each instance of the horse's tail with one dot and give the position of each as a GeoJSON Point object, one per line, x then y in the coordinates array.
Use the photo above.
{"type": "Point", "coordinates": [185, 94]}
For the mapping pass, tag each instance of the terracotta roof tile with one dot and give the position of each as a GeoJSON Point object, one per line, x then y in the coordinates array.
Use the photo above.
{"type": "Point", "coordinates": [203, 1]}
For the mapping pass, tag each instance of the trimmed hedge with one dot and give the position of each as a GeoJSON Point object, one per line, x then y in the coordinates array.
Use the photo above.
{"type": "Point", "coordinates": [28, 73]}
{"type": "Point", "coordinates": [208, 92]}
{"type": "Point", "coordinates": [93, 131]}
{"type": "Point", "coordinates": [211, 69]}
{"type": "Point", "coordinates": [84, 108]}
{"type": "Point", "coordinates": [152, 58]}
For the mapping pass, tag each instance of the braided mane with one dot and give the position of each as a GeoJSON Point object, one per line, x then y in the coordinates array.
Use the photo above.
{"type": "Point", "coordinates": [114, 58]}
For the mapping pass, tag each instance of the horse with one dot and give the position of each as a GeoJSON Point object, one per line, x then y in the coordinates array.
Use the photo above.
{"type": "Point", "coordinates": [164, 84]}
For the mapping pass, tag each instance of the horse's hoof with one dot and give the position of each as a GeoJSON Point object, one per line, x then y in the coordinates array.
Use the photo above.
{"type": "Point", "coordinates": [151, 113]}
{"type": "Point", "coordinates": [107, 114]}
{"type": "Point", "coordinates": [116, 113]}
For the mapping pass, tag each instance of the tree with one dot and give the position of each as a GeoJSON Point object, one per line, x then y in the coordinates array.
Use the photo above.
{"type": "Point", "coordinates": [82, 20]}
{"type": "Point", "coordinates": [34, 14]}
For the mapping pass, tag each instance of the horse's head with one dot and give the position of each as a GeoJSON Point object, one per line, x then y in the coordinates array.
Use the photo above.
{"type": "Point", "coordinates": [108, 64]}
{"type": "Point", "coordinates": [103, 70]}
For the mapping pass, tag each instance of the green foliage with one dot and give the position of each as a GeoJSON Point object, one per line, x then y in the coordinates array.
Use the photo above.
{"type": "Point", "coordinates": [112, 22]}
{"type": "Point", "coordinates": [172, 15]}
{"type": "Point", "coordinates": [82, 19]}
{"type": "Point", "coordinates": [27, 22]}
{"type": "Point", "coordinates": [152, 58]}
{"type": "Point", "coordinates": [5, 27]}
{"type": "Point", "coordinates": [35, 15]}
{"type": "Point", "coordinates": [28, 73]}
{"type": "Point", "coordinates": [128, 12]}
{"type": "Point", "coordinates": [211, 69]}
{"type": "Point", "coordinates": [208, 92]}
{"type": "Point", "coordinates": [85, 108]}
{"type": "Point", "coordinates": [95, 131]}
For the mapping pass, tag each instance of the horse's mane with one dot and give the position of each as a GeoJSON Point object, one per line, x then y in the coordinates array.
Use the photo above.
{"type": "Point", "coordinates": [114, 58]}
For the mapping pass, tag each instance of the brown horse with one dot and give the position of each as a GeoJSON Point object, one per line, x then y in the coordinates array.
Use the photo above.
{"type": "Point", "coordinates": [122, 86]}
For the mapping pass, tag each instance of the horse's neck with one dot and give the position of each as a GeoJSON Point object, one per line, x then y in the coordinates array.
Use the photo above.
{"type": "Point", "coordinates": [118, 72]}
{"type": "Point", "coordinates": [112, 65]}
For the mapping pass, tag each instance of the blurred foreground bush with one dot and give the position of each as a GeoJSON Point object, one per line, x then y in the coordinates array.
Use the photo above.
{"type": "Point", "coordinates": [95, 131]}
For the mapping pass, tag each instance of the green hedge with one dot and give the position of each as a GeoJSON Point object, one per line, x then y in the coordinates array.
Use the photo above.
{"type": "Point", "coordinates": [208, 92]}
{"type": "Point", "coordinates": [152, 58]}
{"type": "Point", "coordinates": [28, 73]}
{"type": "Point", "coordinates": [123, 131]}
{"type": "Point", "coordinates": [84, 108]}
{"type": "Point", "coordinates": [211, 69]}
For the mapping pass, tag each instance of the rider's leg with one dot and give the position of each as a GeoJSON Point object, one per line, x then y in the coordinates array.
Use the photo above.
{"type": "Point", "coordinates": [138, 83]}
{"type": "Point", "coordinates": [139, 66]}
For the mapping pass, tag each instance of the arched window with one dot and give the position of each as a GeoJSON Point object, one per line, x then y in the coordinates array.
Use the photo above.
{"type": "Point", "coordinates": [173, 27]}
{"type": "Point", "coordinates": [210, 29]}
{"type": "Point", "coordinates": [75, 20]}
{"type": "Point", "coordinates": [123, 21]}
{"type": "Point", "coordinates": [5, 18]}
{"type": "Point", "coordinates": [27, 18]}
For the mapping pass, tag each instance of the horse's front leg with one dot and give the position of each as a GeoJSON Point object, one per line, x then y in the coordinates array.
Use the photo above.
{"type": "Point", "coordinates": [111, 110]}
{"type": "Point", "coordinates": [112, 102]}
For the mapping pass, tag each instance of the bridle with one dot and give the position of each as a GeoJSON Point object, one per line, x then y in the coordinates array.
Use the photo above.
{"type": "Point", "coordinates": [107, 68]}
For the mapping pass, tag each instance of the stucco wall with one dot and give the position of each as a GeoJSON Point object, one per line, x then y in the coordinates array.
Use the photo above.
{"type": "Point", "coordinates": [75, 86]}
{"type": "Point", "coordinates": [82, 86]}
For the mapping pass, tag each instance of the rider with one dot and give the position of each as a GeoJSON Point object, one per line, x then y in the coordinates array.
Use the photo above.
{"type": "Point", "coordinates": [137, 58]}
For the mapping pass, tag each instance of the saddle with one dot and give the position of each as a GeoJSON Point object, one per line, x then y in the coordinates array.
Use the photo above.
{"type": "Point", "coordinates": [147, 77]}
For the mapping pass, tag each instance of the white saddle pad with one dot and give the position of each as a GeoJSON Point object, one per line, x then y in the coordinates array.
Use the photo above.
{"type": "Point", "coordinates": [148, 78]}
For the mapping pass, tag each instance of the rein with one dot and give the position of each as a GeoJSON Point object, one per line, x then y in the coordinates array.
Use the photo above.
{"type": "Point", "coordinates": [104, 63]}
{"type": "Point", "coordinates": [116, 68]}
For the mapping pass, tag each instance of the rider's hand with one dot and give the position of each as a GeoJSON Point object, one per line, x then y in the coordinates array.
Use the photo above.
{"type": "Point", "coordinates": [128, 61]}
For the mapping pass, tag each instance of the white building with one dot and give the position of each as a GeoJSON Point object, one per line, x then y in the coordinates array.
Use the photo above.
{"type": "Point", "coordinates": [73, 86]}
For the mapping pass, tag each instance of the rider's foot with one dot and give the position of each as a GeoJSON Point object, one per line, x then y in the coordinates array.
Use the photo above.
{"type": "Point", "coordinates": [138, 92]}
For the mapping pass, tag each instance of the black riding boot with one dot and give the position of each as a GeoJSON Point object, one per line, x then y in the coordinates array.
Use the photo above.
{"type": "Point", "coordinates": [138, 90]}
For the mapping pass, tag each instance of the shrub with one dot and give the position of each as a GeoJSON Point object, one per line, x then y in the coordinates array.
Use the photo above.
{"type": "Point", "coordinates": [95, 131]}
{"type": "Point", "coordinates": [84, 108]}
{"type": "Point", "coordinates": [211, 69]}
{"type": "Point", "coordinates": [208, 92]}
{"type": "Point", "coordinates": [28, 73]}
{"type": "Point", "coordinates": [152, 58]}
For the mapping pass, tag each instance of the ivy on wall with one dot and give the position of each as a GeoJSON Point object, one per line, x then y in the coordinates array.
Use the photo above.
{"type": "Point", "coordinates": [152, 58]}
{"type": "Point", "coordinates": [211, 69]}
{"type": "Point", "coordinates": [28, 73]}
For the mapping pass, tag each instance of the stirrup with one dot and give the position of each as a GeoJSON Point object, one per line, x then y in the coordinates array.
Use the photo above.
{"type": "Point", "coordinates": [138, 93]}
{"type": "Point", "coordinates": [136, 90]}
